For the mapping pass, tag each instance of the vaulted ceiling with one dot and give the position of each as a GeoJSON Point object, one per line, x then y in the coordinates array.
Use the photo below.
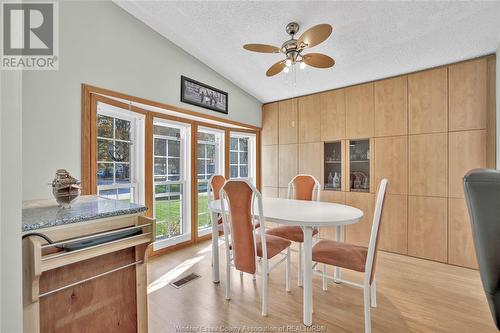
{"type": "Point", "coordinates": [371, 40]}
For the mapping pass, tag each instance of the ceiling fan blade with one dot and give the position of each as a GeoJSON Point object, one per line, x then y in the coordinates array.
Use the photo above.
{"type": "Point", "coordinates": [318, 60]}
{"type": "Point", "coordinates": [276, 68]}
{"type": "Point", "coordinates": [263, 48]}
{"type": "Point", "coordinates": [315, 35]}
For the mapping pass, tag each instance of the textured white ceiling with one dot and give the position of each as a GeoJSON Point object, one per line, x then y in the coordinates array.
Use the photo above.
{"type": "Point", "coordinates": [371, 40]}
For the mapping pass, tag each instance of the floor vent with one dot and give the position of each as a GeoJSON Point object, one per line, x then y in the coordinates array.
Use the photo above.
{"type": "Point", "coordinates": [185, 280]}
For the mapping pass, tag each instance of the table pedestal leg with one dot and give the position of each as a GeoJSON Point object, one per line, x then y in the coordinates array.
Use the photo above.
{"type": "Point", "coordinates": [338, 237]}
{"type": "Point", "coordinates": [308, 299]}
{"type": "Point", "coordinates": [215, 249]}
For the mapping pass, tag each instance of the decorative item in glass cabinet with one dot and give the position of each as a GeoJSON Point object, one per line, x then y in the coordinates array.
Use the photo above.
{"type": "Point", "coordinates": [330, 178]}
{"type": "Point", "coordinates": [336, 180]}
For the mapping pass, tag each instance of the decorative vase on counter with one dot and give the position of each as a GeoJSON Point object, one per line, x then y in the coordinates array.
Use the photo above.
{"type": "Point", "coordinates": [336, 180]}
{"type": "Point", "coordinates": [65, 188]}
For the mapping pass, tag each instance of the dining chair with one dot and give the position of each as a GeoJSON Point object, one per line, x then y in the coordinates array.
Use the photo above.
{"type": "Point", "coordinates": [354, 257]}
{"type": "Point", "coordinates": [247, 245]}
{"type": "Point", "coordinates": [215, 183]}
{"type": "Point", "coordinates": [301, 187]}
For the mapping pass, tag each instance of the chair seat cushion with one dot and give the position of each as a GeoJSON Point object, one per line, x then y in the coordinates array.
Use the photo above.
{"type": "Point", "coordinates": [290, 232]}
{"type": "Point", "coordinates": [274, 245]}
{"type": "Point", "coordinates": [340, 254]}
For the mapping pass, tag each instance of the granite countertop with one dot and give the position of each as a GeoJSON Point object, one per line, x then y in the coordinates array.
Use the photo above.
{"type": "Point", "coordinates": [40, 214]}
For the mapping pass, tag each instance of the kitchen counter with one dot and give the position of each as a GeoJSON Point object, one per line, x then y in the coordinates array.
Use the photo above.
{"type": "Point", "coordinates": [40, 214]}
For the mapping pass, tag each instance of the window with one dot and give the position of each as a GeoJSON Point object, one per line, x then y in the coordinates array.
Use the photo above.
{"type": "Point", "coordinates": [242, 156]}
{"type": "Point", "coordinates": [210, 162]}
{"type": "Point", "coordinates": [119, 158]}
{"type": "Point", "coordinates": [171, 181]}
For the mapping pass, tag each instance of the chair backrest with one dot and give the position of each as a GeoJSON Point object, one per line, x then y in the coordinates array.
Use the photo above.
{"type": "Point", "coordinates": [304, 187]}
{"type": "Point", "coordinates": [241, 197]}
{"type": "Point", "coordinates": [215, 183]}
{"type": "Point", "coordinates": [482, 194]}
{"type": "Point", "coordinates": [371, 258]}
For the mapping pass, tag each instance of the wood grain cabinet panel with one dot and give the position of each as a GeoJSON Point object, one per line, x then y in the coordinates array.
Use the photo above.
{"type": "Point", "coordinates": [359, 233]}
{"type": "Point", "coordinates": [283, 192]}
{"type": "Point", "coordinates": [269, 133]}
{"type": "Point", "coordinates": [269, 192]}
{"type": "Point", "coordinates": [427, 228]}
{"type": "Point", "coordinates": [394, 224]}
{"type": "Point", "coordinates": [460, 243]}
{"type": "Point", "coordinates": [310, 157]}
{"type": "Point", "coordinates": [428, 101]}
{"type": "Point", "coordinates": [332, 105]}
{"type": "Point", "coordinates": [391, 162]}
{"type": "Point", "coordinates": [391, 116]}
{"type": "Point", "coordinates": [467, 152]}
{"type": "Point", "coordinates": [309, 116]}
{"type": "Point", "coordinates": [491, 146]}
{"type": "Point", "coordinates": [359, 111]}
{"type": "Point", "coordinates": [287, 121]}
{"type": "Point", "coordinates": [287, 162]}
{"type": "Point", "coordinates": [468, 95]}
{"type": "Point", "coordinates": [270, 166]}
{"type": "Point", "coordinates": [428, 164]}
{"type": "Point", "coordinates": [330, 196]}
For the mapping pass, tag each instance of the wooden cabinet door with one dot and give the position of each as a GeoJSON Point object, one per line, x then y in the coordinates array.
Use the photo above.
{"type": "Point", "coordinates": [287, 162]}
{"type": "Point", "coordinates": [309, 116]}
{"type": "Point", "coordinates": [270, 192]}
{"type": "Point", "coordinates": [332, 105]}
{"type": "Point", "coordinates": [359, 233]}
{"type": "Point", "coordinates": [310, 159]}
{"type": "Point", "coordinates": [359, 111]}
{"type": "Point", "coordinates": [394, 224]}
{"type": "Point", "coordinates": [391, 116]}
{"type": "Point", "coordinates": [283, 192]}
{"type": "Point", "coordinates": [467, 152]}
{"type": "Point", "coordinates": [270, 166]}
{"type": "Point", "coordinates": [428, 164]}
{"type": "Point", "coordinates": [287, 121]}
{"type": "Point", "coordinates": [269, 133]}
{"type": "Point", "coordinates": [428, 101]}
{"type": "Point", "coordinates": [468, 95]}
{"type": "Point", "coordinates": [491, 123]}
{"type": "Point", "coordinates": [427, 228]}
{"type": "Point", "coordinates": [331, 196]}
{"type": "Point", "coordinates": [391, 162]}
{"type": "Point", "coordinates": [460, 243]}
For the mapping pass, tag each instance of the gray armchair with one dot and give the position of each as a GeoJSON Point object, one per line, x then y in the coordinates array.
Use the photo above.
{"type": "Point", "coordinates": [482, 193]}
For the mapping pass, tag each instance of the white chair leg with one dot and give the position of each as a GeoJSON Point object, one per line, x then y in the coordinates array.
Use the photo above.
{"type": "Point", "coordinates": [325, 280]}
{"type": "Point", "coordinates": [366, 294]}
{"type": "Point", "coordinates": [373, 296]}
{"type": "Point", "coordinates": [287, 270]}
{"type": "Point", "coordinates": [254, 277]}
{"type": "Point", "coordinates": [241, 274]}
{"type": "Point", "coordinates": [228, 280]}
{"type": "Point", "coordinates": [265, 274]}
{"type": "Point", "coordinates": [301, 271]}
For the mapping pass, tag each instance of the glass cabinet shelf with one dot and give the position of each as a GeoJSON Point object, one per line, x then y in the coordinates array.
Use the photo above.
{"type": "Point", "coordinates": [333, 166]}
{"type": "Point", "coordinates": [359, 165]}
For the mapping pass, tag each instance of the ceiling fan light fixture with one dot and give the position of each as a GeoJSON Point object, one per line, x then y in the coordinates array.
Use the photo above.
{"type": "Point", "coordinates": [288, 62]}
{"type": "Point", "coordinates": [302, 65]}
{"type": "Point", "coordinates": [286, 69]}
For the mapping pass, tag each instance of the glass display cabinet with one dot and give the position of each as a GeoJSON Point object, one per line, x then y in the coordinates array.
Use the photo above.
{"type": "Point", "coordinates": [359, 165]}
{"type": "Point", "coordinates": [333, 166]}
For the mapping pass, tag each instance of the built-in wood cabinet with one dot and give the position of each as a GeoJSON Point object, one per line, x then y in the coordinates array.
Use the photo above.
{"type": "Point", "coordinates": [269, 133]}
{"type": "Point", "coordinates": [422, 131]}
{"type": "Point", "coordinates": [391, 116]}
{"type": "Point", "coordinates": [467, 152]}
{"type": "Point", "coordinates": [428, 101]}
{"type": "Point", "coordinates": [428, 164]}
{"type": "Point", "coordinates": [288, 163]}
{"type": "Point", "coordinates": [468, 93]}
{"type": "Point", "coordinates": [460, 243]}
{"type": "Point", "coordinates": [287, 121]}
{"type": "Point", "coordinates": [391, 162]}
{"type": "Point", "coordinates": [269, 192]}
{"type": "Point", "coordinates": [428, 227]}
{"type": "Point", "coordinates": [359, 111]}
{"type": "Point", "coordinates": [309, 116]}
{"type": "Point", "coordinates": [332, 105]}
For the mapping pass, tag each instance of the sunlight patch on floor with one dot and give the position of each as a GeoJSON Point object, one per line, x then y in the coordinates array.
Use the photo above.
{"type": "Point", "coordinates": [169, 276]}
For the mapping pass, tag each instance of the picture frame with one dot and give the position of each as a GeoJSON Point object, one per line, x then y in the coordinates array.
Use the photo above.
{"type": "Point", "coordinates": [196, 93]}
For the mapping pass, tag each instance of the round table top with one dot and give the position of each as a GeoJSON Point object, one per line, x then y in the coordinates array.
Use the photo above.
{"type": "Point", "coordinates": [304, 213]}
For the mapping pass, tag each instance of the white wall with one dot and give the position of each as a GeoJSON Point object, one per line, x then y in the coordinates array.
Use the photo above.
{"type": "Point", "coordinates": [10, 202]}
{"type": "Point", "coordinates": [498, 104]}
{"type": "Point", "coordinates": [102, 45]}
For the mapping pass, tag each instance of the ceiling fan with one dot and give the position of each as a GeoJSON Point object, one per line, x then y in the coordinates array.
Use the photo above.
{"type": "Point", "coordinates": [293, 48]}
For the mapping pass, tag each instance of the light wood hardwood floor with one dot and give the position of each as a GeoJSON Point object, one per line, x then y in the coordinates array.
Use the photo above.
{"type": "Point", "coordinates": [414, 295]}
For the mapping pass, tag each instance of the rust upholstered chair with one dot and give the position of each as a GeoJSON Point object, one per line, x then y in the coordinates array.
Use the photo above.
{"type": "Point", "coordinates": [215, 183]}
{"type": "Point", "coordinates": [241, 204]}
{"type": "Point", "coordinates": [357, 258]}
{"type": "Point", "coordinates": [302, 187]}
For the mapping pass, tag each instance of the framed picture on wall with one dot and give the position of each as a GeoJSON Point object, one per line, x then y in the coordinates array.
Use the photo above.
{"type": "Point", "coordinates": [200, 94]}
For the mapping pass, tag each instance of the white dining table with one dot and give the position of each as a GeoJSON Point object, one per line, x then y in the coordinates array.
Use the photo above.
{"type": "Point", "coordinates": [306, 214]}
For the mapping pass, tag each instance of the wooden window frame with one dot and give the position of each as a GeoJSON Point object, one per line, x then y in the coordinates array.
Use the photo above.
{"type": "Point", "coordinates": [91, 95]}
